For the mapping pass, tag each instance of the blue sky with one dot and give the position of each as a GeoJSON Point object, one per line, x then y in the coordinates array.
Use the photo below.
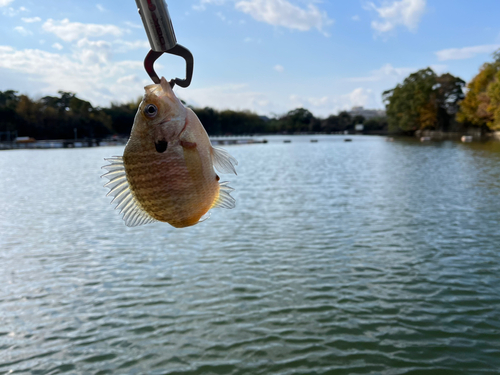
{"type": "Point", "coordinates": [267, 56]}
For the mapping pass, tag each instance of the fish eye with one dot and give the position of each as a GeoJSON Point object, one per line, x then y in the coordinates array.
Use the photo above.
{"type": "Point", "coordinates": [150, 110]}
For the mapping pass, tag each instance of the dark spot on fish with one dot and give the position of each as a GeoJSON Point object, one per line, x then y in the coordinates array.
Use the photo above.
{"type": "Point", "coordinates": [217, 177]}
{"type": "Point", "coordinates": [161, 146]}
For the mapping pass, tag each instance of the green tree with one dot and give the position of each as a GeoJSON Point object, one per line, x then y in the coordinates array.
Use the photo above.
{"type": "Point", "coordinates": [340, 123]}
{"type": "Point", "coordinates": [376, 124]}
{"type": "Point", "coordinates": [8, 114]}
{"type": "Point", "coordinates": [122, 116]}
{"type": "Point", "coordinates": [330, 124]}
{"type": "Point", "coordinates": [89, 121]}
{"type": "Point", "coordinates": [345, 121]}
{"type": "Point", "coordinates": [297, 120]}
{"type": "Point", "coordinates": [448, 93]}
{"type": "Point", "coordinates": [30, 120]}
{"type": "Point", "coordinates": [358, 119]}
{"type": "Point", "coordinates": [8, 99]}
{"type": "Point", "coordinates": [423, 101]}
{"type": "Point", "coordinates": [238, 122]}
{"type": "Point", "coordinates": [210, 119]}
{"type": "Point", "coordinates": [408, 106]}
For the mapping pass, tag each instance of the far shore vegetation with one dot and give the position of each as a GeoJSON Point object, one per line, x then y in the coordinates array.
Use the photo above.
{"type": "Point", "coordinates": [423, 101]}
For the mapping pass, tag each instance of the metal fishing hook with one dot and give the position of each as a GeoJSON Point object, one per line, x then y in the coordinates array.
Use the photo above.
{"type": "Point", "coordinates": [160, 32]}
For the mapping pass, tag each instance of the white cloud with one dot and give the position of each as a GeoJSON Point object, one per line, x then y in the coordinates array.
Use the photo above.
{"type": "Point", "coordinates": [279, 68]}
{"type": "Point", "coordinates": [21, 30]}
{"type": "Point", "coordinates": [4, 3]}
{"type": "Point", "coordinates": [31, 19]}
{"type": "Point", "coordinates": [57, 46]}
{"type": "Point", "coordinates": [387, 71]}
{"type": "Point", "coordinates": [100, 8]}
{"type": "Point", "coordinates": [89, 71]}
{"type": "Point", "coordinates": [10, 11]}
{"type": "Point", "coordinates": [93, 52]}
{"type": "Point", "coordinates": [398, 13]}
{"type": "Point", "coordinates": [202, 5]}
{"type": "Point", "coordinates": [132, 79]}
{"type": "Point", "coordinates": [327, 105]}
{"type": "Point", "coordinates": [282, 13]}
{"type": "Point", "coordinates": [465, 52]}
{"type": "Point", "coordinates": [69, 31]}
{"type": "Point", "coordinates": [133, 25]}
{"type": "Point", "coordinates": [355, 18]}
{"type": "Point", "coordinates": [359, 97]}
{"type": "Point", "coordinates": [125, 45]}
{"type": "Point", "coordinates": [252, 40]}
{"type": "Point", "coordinates": [230, 96]}
{"type": "Point", "coordinates": [242, 97]}
{"type": "Point", "coordinates": [221, 16]}
{"type": "Point", "coordinates": [97, 82]}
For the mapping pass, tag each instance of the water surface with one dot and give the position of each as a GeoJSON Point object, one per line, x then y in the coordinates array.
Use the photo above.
{"type": "Point", "coordinates": [367, 257]}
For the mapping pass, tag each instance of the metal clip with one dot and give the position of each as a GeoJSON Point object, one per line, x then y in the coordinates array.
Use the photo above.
{"type": "Point", "coordinates": [160, 32]}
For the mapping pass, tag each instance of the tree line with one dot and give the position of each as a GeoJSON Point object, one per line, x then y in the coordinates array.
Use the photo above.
{"type": "Point", "coordinates": [424, 100]}
{"type": "Point", "coordinates": [66, 116]}
{"type": "Point", "coordinates": [427, 101]}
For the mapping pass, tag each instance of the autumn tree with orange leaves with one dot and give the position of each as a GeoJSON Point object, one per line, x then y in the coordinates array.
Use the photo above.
{"type": "Point", "coordinates": [481, 105]}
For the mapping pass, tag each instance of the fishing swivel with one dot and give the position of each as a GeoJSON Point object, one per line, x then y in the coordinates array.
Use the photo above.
{"type": "Point", "coordinates": [160, 32]}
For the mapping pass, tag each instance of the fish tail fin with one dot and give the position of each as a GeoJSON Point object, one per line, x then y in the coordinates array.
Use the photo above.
{"type": "Point", "coordinates": [225, 200]}
{"type": "Point", "coordinates": [223, 161]}
{"type": "Point", "coordinates": [118, 186]}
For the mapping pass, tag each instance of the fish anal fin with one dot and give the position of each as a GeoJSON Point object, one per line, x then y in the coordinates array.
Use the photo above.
{"type": "Point", "coordinates": [204, 217]}
{"type": "Point", "coordinates": [133, 213]}
{"type": "Point", "coordinates": [225, 200]}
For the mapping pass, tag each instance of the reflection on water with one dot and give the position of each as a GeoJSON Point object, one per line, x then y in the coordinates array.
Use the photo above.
{"type": "Point", "coordinates": [364, 257]}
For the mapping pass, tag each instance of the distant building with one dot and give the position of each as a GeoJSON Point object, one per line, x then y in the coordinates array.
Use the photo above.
{"type": "Point", "coordinates": [366, 113]}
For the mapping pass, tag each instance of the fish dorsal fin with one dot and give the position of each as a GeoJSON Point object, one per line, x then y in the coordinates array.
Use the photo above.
{"type": "Point", "coordinates": [223, 161]}
{"type": "Point", "coordinates": [133, 214]}
{"type": "Point", "coordinates": [225, 200]}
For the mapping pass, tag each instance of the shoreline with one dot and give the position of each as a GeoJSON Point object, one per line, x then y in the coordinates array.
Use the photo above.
{"type": "Point", "coordinates": [423, 136]}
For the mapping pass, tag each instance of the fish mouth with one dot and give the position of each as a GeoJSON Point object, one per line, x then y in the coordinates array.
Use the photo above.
{"type": "Point", "coordinates": [161, 146]}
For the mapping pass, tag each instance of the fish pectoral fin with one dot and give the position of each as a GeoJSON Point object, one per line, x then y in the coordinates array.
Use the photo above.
{"type": "Point", "coordinates": [187, 144]}
{"type": "Point", "coordinates": [223, 161]}
{"type": "Point", "coordinates": [133, 214]}
{"type": "Point", "coordinates": [225, 200]}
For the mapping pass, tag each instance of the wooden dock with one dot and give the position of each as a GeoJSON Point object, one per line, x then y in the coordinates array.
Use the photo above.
{"type": "Point", "coordinates": [216, 141]}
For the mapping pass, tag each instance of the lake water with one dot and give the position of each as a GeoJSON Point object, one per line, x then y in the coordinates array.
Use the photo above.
{"type": "Point", "coordinates": [362, 257]}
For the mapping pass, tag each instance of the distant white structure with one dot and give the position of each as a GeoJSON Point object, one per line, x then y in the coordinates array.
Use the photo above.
{"type": "Point", "coordinates": [366, 113]}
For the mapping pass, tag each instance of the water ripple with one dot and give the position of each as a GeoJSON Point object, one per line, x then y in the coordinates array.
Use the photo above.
{"type": "Point", "coordinates": [366, 257]}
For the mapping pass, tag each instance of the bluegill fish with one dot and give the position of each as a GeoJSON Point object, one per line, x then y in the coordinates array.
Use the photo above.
{"type": "Point", "coordinates": [167, 169]}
